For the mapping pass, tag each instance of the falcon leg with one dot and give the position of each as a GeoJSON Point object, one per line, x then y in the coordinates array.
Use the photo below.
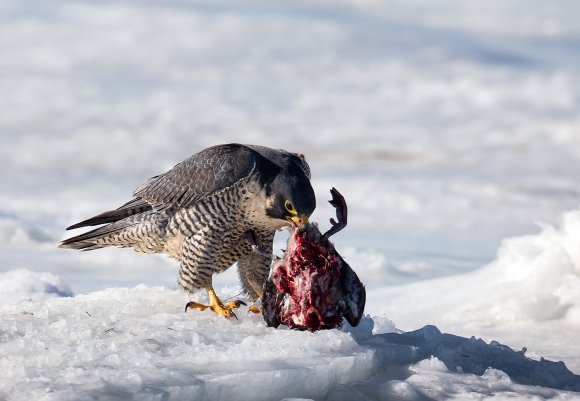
{"type": "Point", "coordinates": [216, 305]}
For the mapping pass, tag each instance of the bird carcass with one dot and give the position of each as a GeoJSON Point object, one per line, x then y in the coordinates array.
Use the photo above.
{"type": "Point", "coordinates": [311, 287]}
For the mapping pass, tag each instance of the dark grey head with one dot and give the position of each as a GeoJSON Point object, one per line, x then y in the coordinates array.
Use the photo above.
{"type": "Point", "coordinates": [291, 197]}
{"type": "Point", "coordinates": [289, 192]}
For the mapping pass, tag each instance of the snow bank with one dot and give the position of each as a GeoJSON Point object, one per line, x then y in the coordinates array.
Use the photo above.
{"type": "Point", "coordinates": [20, 286]}
{"type": "Point", "coordinates": [534, 278]}
{"type": "Point", "coordinates": [538, 276]}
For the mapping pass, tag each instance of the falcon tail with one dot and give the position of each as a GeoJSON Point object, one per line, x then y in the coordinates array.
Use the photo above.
{"type": "Point", "coordinates": [134, 206]}
{"type": "Point", "coordinates": [94, 239]}
{"type": "Point", "coordinates": [143, 231]}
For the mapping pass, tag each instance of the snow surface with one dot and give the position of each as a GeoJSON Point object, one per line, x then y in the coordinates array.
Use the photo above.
{"type": "Point", "coordinates": [138, 343]}
{"type": "Point", "coordinates": [450, 127]}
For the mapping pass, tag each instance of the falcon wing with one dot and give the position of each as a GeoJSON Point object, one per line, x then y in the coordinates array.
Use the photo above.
{"type": "Point", "coordinates": [200, 175]}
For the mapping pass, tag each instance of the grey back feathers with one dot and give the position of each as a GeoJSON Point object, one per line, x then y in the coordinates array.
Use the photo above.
{"type": "Point", "coordinates": [200, 175]}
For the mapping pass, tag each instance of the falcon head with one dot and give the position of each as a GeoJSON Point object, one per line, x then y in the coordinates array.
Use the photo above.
{"type": "Point", "coordinates": [290, 196]}
{"type": "Point", "coordinates": [291, 199]}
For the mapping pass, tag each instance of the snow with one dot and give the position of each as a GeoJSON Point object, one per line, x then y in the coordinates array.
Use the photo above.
{"type": "Point", "coordinates": [81, 345]}
{"type": "Point", "coordinates": [137, 343]}
{"type": "Point", "coordinates": [451, 128]}
{"type": "Point", "coordinates": [534, 278]}
{"type": "Point", "coordinates": [20, 284]}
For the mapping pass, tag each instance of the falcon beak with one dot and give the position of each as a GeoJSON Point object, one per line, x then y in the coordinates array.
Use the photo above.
{"type": "Point", "coordinates": [299, 219]}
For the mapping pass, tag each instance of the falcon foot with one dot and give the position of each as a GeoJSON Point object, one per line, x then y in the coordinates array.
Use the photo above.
{"type": "Point", "coordinates": [216, 305]}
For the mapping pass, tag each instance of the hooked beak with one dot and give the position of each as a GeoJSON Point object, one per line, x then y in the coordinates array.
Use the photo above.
{"type": "Point", "coordinates": [298, 220]}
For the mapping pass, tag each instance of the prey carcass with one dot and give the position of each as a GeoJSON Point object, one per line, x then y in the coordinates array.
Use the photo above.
{"type": "Point", "coordinates": [312, 287]}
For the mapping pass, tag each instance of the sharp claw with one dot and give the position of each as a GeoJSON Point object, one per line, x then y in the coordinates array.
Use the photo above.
{"type": "Point", "coordinates": [234, 304]}
{"type": "Point", "coordinates": [194, 305]}
{"type": "Point", "coordinates": [216, 305]}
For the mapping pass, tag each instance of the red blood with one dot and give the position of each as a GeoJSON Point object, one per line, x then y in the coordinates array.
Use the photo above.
{"type": "Point", "coordinates": [305, 280]}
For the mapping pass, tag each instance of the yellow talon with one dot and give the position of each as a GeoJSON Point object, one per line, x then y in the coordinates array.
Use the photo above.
{"type": "Point", "coordinates": [254, 309]}
{"type": "Point", "coordinates": [216, 305]}
{"type": "Point", "coordinates": [233, 305]}
{"type": "Point", "coordinates": [195, 305]}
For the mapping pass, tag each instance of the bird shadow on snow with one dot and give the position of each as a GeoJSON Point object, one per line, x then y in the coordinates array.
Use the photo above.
{"type": "Point", "coordinates": [468, 355]}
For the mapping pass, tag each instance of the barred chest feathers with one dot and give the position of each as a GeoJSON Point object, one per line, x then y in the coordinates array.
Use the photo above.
{"type": "Point", "coordinates": [233, 210]}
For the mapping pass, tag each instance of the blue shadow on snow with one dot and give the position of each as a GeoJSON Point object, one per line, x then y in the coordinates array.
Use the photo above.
{"type": "Point", "coordinates": [470, 355]}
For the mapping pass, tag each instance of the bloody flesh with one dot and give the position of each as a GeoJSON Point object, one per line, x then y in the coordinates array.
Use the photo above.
{"type": "Point", "coordinates": [311, 287]}
{"type": "Point", "coordinates": [306, 275]}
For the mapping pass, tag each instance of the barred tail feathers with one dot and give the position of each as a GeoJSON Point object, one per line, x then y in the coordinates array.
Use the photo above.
{"type": "Point", "coordinates": [135, 206]}
{"type": "Point", "coordinates": [141, 232]}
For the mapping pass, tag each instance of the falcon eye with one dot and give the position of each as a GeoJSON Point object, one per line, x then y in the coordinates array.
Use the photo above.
{"type": "Point", "coordinates": [289, 207]}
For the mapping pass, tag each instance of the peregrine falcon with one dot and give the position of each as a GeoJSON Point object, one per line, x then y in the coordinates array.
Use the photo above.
{"type": "Point", "coordinates": [199, 212]}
